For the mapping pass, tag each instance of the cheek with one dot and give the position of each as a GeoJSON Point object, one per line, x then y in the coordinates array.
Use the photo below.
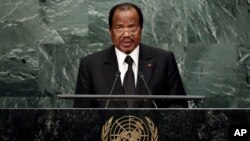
{"type": "Point", "coordinates": [137, 38]}
{"type": "Point", "coordinates": [116, 39]}
{"type": "Point", "coordinates": [113, 37]}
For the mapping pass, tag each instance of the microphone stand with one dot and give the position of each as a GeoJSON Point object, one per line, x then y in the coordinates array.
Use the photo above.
{"type": "Point", "coordinates": [142, 77]}
{"type": "Point", "coordinates": [117, 75]}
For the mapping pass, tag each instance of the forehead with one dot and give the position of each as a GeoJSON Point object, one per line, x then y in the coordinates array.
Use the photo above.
{"type": "Point", "coordinates": [125, 14]}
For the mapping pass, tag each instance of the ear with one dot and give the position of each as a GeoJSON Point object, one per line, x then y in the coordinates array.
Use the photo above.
{"type": "Point", "coordinates": [110, 32]}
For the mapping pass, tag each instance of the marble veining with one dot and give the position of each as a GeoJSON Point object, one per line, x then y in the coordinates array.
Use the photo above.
{"type": "Point", "coordinates": [41, 42]}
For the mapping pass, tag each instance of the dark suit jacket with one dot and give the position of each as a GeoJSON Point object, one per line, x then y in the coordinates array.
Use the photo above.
{"type": "Point", "coordinates": [97, 74]}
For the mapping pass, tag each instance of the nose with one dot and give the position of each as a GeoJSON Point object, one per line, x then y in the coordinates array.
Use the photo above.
{"type": "Point", "coordinates": [127, 33]}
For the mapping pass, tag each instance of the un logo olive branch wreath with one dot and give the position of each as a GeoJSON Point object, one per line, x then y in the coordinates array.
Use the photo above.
{"type": "Point", "coordinates": [153, 129]}
{"type": "Point", "coordinates": [106, 129]}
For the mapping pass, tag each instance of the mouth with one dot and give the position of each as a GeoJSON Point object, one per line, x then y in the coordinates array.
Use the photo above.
{"type": "Point", "coordinates": [127, 43]}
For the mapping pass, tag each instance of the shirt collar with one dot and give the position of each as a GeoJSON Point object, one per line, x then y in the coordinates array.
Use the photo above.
{"type": "Point", "coordinates": [121, 55]}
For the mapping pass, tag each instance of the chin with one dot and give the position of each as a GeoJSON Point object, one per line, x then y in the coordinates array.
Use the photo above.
{"type": "Point", "coordinates": [127, 50]}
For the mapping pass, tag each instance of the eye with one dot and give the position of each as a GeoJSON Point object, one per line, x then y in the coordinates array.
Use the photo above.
{"type": "Point", "coordinates": [118, 27]}
{"type": "Point", "coordinates": [134, 29]}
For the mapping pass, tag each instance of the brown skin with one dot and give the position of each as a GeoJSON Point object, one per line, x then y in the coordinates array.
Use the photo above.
{"type": "Point", "coordinates": [127, 41]}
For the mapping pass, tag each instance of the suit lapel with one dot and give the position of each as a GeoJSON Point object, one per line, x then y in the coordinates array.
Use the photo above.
{"type": "Point", "coordinates": [146, 65]}
{"type": "Point", "coordinates": [110, 67]}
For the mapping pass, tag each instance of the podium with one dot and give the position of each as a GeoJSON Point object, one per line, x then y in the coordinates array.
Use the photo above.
{"type": "Point", "coordinates": [194, 100]}
{"type": "Point", "coordinates": [87, 124]}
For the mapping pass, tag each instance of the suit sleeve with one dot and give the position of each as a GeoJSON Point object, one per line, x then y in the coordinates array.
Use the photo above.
{"type": "Point", "coordinates": [83, 86]}
{"type": "Point", "coordinates": [175, 85]}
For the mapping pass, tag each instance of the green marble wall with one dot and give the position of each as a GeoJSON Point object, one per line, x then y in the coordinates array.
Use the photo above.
{"type": "Point", "coordinates": [41, 42]}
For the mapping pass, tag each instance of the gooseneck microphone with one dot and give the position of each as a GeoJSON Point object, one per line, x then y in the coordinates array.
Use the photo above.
{"type": "Point", "coordinates": [145, 84]}
{"type": "Point", "coordinates": [117, 75]}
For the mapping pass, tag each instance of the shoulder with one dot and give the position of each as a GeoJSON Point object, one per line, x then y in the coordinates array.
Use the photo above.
{"type": "Point", "coordinates": [95, 60]}
{"type": "Point", "coordinates": [157, 52]}
{"type": "Point", "coordinates": [98, 56]}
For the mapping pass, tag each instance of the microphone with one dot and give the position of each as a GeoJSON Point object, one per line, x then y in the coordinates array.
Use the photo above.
{"type": "Point", "coordinates": [145, 84]}
{"type": "Point", "coordinates": [117, 75]}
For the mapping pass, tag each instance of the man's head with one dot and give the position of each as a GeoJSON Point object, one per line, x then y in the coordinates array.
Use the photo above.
{"type": "Point", "coordinates": [125, 26]}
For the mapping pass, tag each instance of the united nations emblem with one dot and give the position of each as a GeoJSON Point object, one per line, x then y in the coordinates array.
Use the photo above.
{"type": "Point", "coordinates": [129, 128]}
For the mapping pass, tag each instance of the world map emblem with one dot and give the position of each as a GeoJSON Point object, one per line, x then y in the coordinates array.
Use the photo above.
{"type": "Point", "coordinates": [129, 128]}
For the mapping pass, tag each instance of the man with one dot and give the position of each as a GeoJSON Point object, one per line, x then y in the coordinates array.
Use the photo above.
{"type": "Point", "coordinates": [122, 68]}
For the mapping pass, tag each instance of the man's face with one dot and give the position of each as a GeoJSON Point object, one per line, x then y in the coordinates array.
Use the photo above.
{"type": "Point", "coordinates": [126, 31]}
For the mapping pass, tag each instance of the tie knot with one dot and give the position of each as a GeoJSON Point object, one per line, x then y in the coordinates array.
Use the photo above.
{"type": "Point", "coordinates": [129, 60]}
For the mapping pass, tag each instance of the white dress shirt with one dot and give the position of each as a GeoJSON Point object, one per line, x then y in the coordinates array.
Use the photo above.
{"type": "Point", "coordinates": [123, 66]}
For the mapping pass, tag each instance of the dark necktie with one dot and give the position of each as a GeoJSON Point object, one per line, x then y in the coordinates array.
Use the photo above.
{"type": "Point", "coordinates": [129, 80]}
